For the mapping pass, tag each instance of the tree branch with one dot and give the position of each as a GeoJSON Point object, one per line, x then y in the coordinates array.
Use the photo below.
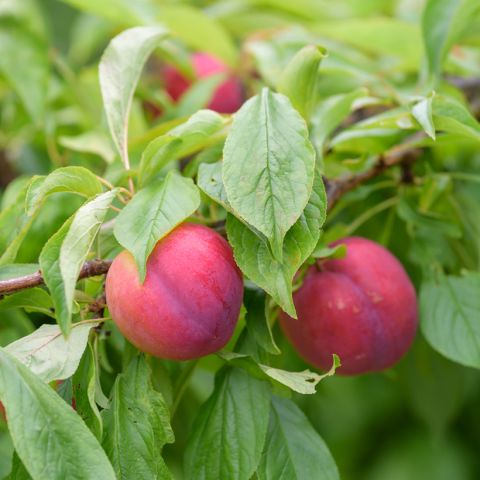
{"type": "Point", "coordinates": [339, 187]}
{"type": "Point", "coordinates": [91, 268]}
{"type": "Point", "coordinates": [335, 190]}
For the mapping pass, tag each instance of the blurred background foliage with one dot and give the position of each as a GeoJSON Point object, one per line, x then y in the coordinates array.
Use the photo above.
{"type": "Point", "coordinates": [418, 421]}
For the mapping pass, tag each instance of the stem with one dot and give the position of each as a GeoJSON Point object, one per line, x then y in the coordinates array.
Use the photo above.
{"type": "Point", "coordinates": [91, 268]}
{"type": "Point", "coordinates": [371, 213]}
{"type": "Point", "coordinates": [182, 385]}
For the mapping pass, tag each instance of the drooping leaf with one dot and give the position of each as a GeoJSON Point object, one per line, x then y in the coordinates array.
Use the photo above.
{"type": "Point", "coordinates": [119, 71]}
{"type": "Point", "coordinates": [299, 79]}
{"type": "Point", "coordinates": [33, 300]}
{"type": "Point", "coordinates": [304, 382]}
{"type": "Point", "coordinates": [48, 354]}
{"type": "Point", "coordinates": [294, 450]}
{"type": "Point", "coordinates": [137, 425]}
{"type": "Point", "coordinates": [229, 432]}
{"type": "Point", "coordinates": [24, 63]}
{"type": "Point", "coordinates": [49, 437]}
{"type": "Point", "coordinates": [268, 166]}
{"type": "Point", "coordinates": [194, 134]}
{"type": "Point", "coordinates": [449, 317]}
{"type": "Point", "coordinates": [152, 213]}
{"type": "Point", "coordinates": [64, 254]}
{"type": "Point", "coordinates": [443, 22]}
{"type": "Point", "coordinates": [77, 180]}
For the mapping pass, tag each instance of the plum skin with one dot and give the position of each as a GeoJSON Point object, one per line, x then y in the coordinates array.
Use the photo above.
{"type": "Point", "coordinates": [228, 96]}
{"type": "Point", "coordinates": [362, 307]}
{"type": "Point", "coordinates": [188, 305]}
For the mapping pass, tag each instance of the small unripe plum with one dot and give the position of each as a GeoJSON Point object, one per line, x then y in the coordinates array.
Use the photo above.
{"type": "Point", "coordinates": [362, 307]}
{"type": "Point", "coordinates": [188, 305]}
{"type": "Point", "coordinates": [228, 96]}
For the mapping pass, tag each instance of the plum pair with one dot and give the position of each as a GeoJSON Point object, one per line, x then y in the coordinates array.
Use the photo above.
{"type": "Point", "coordinates": [362, 307]}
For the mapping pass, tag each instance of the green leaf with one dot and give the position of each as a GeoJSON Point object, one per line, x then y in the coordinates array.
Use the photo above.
{"type": "Point", "coordinates": [24, 63]}
{"type": "Point", "coordinates": [17, 270]}
{"type": "Point", "coordinates": [294, 449]}
{"type": "Point", "coordinates": [195, 134]}
{"type": "Point", "coordinates": [199, 31]}
{"type": "Point", "coordinates": [49, 437]}
{"type": "Point", "coordinates": [77, 180]}
{"type": "Point", "coordinates": [15, 224]}
{"type": "Point", "coordinates": [119, 71]}
{"type": "Point", "coordinates": [331, 113]}
{"type": "Point", "coordinates": [256, 261]}
{"type": "Point", "coordinates": [397, 39]}
{"type": "Point", "coordinates": [199, 94]}
{"type": "Point", "coordinates": [322, 251]}
{"type": "Point", "coordinates": [65, 253]}
{"type": "Point", "coordinates": [299, 79]}
{"type": "Point", "coordinates": [32, 300]}
{"type": "Point", "coordinates": [250, 247]}
{"type": "Point", "coordinates": [18, 472]}
{"type": "Point", "coordinates": [256, 320]}
{"type": "Point", "coordinates": [122, 12]}
{"type": "Point", "coordinates": [301, 382]}
{"type": "Point", "coordinates": [449, 311]}
{"type": "Point", "coordinates": [153, 213]}
{"type": "Point", "coordinates": [451, 116]}
{"type": "Point", "coordinates": [229, 433]}
{"type": "Point", "coordinates": [268, 166]}
{"type": "Point", "coordinates": [48, 354]}
{"type": "Point", "coordinates": [137, 425]}
{"type": "Point", "coordinates": [92, 142]}
{"type": "Point", "coordinates": [443, 22]}
{"type": "Point", "coordinates": [422, 111]}
{"type": "Point", "coordinates": [84, 385]}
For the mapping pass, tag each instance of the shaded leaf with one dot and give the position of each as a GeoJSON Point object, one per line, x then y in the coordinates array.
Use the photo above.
{"type": "Point", "coordinates": [449, 317]}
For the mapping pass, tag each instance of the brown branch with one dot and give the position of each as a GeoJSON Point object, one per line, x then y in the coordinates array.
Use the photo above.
{"type": "Point", "coordinates": [91, 268]}
{"type": "Point", "coordinates": [339, 187]}
{"type": "Point", "coordinates": [403, 155]}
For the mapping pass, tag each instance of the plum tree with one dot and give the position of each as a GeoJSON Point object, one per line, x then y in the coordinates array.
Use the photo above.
{"type": "Point", "coordinates": [189, 303]}
{"type": "Point", "coordinates": [228, 96]}
{"type": "Point", "coordinates": [362, 307]}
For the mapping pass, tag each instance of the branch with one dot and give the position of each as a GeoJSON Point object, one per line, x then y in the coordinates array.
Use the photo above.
{"type": "Point", "coordinates": [91, 268]}
{"type": "Point", "coordinates": [403, 154]}
{"type": "Point", "coordinates": [339, 187]}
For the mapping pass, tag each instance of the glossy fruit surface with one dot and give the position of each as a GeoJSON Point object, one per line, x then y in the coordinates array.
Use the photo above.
{"type": "Point", "coordinates": [189, 303]}
{"type": "Point", "coordinates": [362, 307]}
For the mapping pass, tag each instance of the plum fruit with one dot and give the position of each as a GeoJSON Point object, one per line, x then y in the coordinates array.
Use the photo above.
{"type": "Point", "coordinates": [362, 307]}
{"type": "Point", "coordinates": [189, 303]}
{"type": "Point", "coordinates": [228, 96]}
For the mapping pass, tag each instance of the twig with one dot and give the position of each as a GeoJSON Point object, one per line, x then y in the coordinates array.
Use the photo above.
{"type": "Point", "coordinates": [403, 155]}
{"type": "Point", "coordinates": [91, 268]}
{"type": "Point", "coordinates": [337, 188]}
